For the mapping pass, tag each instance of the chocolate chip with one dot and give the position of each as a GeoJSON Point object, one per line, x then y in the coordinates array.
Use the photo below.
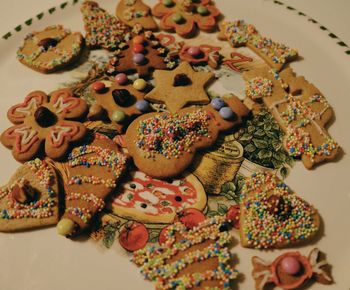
{"type": "Point", "coordinates": [143, 205]}
{"type": "Point", "coordinates": [122, 97]}
{"type": "Point", "coordinates": [224, 227]}
{"type": "Point", "coordinates": [133, 185]}
{"type": "Point", "coordinates": [47, 43]}
{"type": "Point", "coordinates": [24, 193]}
{"type": "Point", "coordinates": [178, 198]}
{"type": "Point", "coordinates": [181, 80]}
{"type": "Point", "coordinates": [44, 117]}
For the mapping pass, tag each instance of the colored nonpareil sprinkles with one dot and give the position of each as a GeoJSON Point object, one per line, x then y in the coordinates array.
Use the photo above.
{"type": "Point", "coordinates": [42, 208]}
{"type": "Point", "coordinates": [264, 226]}
{"type": "Point", "coordinates": [80, 179]}
{"type": "Point", "coordinates": [83, 213]}
{"type": "Point", "coordinates": [258, 88]}
{"type": "Point", "coordinates": [240, 33]}
{"type": "Point", "coordinates": [98, 203]}
{"type": "Point", "coordinates": [154, 260]}
{"type": "Point", "coordinates": [171, 135]}
{"type": "Point", "coordinates": [88, 155]}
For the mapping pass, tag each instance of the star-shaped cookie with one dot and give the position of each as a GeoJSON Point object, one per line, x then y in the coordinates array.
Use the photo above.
{"type": "Point", "coordinates": [180, 87]}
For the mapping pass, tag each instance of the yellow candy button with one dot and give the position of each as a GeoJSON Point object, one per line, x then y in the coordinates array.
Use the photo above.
{"type": "Point", "coordinates": [65, 227]}
{"type": "Point", "coordinates": [139, 84]}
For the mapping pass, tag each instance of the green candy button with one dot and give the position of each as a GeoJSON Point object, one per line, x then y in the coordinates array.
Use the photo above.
{"type": "Point", "coordinates": [178, 18]}
{"type": "Point", "coordinates": [168, 3]}
{"type": "Point", "coordinates": [202, 10]}
{"type": "Point", "coordinates": [118, 116]}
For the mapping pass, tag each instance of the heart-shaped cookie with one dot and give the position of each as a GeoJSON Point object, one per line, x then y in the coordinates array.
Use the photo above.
{"type": "Point", "coordinates": [272, 216]}
{"type": "Point", "coordinates": [30, 199]}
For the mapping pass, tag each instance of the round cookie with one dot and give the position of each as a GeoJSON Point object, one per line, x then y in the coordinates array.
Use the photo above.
{"type": "Point", "coordinates": [51, 49]}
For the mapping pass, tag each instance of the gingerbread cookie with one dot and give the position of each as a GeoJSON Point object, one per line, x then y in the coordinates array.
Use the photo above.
{"type": "Point", "coordinates": [196, 258]}
{"type": "Point", "coordinates": [180, 87]}
{"type": "Point", "coordinates": [149, 200]}
{"type": "Point", "coordinates": [142, 54]}
{"type": "Point", "coordinates": [90, 175]}
{"type": "Point", "coordinates": [163, 145]}
{"type": "Point", "coordinates": [43, 119]}
{"type": "Point", "coordinates": [185, 16]}
{"type": "Point", "coordinates": [30, 199]}
{"type": "Point", "coordinates": [133, 12]}
{"type": "Point", "coordinates": [299, 108]}
{"type": "Point", "coordinates": [272, 216]}
{"type": "Point", "coordinates": [291, 270]}
{"type": "Point", "coordinates": [121, 100]}
{"type": "Point", "coordinates": [238, 33]}
{"type": "Point", "coordinates": [51, 49]}
{"type": "Point", "coordinates": [103, 29]}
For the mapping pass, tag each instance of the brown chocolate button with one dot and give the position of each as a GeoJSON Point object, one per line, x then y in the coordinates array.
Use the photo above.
{"type": "Point", "coordinates": [181, 80]}
{"type": "Point", "coordinates": [48, 42]}
{"type": "Point", "coordinates": [44, 117]}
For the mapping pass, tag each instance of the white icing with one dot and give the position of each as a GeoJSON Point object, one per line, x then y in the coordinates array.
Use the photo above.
{"type": "Point", "coordinates": [266, 275]}
{"type": "Point", "coordinates": [165, 191]}
{"type": "Point", "coordinates": [146, 195]}
{"type": "Point", "coordinates": [58, 131]}
{"type": "Point", "coordinates": [149, 209]}
{"type": "Point", "coordinates": [31, 107]}
{"type": "Point", "coordinates": [27, 134]}
{"type": "Point", "coordinates": [184, 190]}
{"type": "Point", "coordinates": [316, 267]}
{"type": "Point", "coordinates": [119, 201]}
{"type": "Point", "coordinates": [141, 175]}
{"type": "Point", "coordinates": [60, 105]}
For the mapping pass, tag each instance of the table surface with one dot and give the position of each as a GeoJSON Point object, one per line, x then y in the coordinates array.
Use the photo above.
{"type": "Point", "coordinates": [331, 14]}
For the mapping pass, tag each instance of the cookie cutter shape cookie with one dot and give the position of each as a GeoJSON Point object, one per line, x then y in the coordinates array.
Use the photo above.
{"type": "Point", "coordinates": [30, 199]}
{"type": "Point", "coordinates": [163, 145]}
{"type": "Point", "coordinates": [91, 173]}
{"type": "Point", "coordinates": [142, 54]}
{"type": "Point", "coordinates": [51, 49]}
{"type": "Point", "coordinates": [133, 12]}
{"type": "Point", "coordinates": [184, 16]}
{"type": "Point", "coordinates": [121, 102]}
{"type": "Point", "coordinates": [291, 270]}
{"type": "Point", "coordinates": [302, 113]}
{"type": "Point", "coordinates": [180, 87]}
{"type": "Point", "coordinates": [43, 119]}
{"type": "Point", "coordinates": [272, 216]}
{"type": "Point", "coordinates": [148, 200]}
{"type": "Point", "coordinates": [239, 33]}
{"type": "Point", "coordinates": [103, 29]}
{"type": "Point", "coordinates": [198, 258]}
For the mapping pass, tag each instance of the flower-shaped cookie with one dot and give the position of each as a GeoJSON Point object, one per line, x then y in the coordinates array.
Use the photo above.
{"type": "Point", "coordinates": [44, 119]}
{"type": "Point", "coordinates": [184, 16]}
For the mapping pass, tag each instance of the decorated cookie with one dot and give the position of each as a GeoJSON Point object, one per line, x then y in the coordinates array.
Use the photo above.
{"type": "Point", "coordinates": [51, 49]}
{"type": "Point", "coordinates": [202, 54]}
{"type": "Point", "coordinates": [237, 61]}
{"type": "Point", "coordinates": [291, 270]}
{"type": "Point", "coordinates": [143, 54]}
{"type": "Point", "coordinates": [272, 216]}
{"type": "Point", "coordinates": [133, 12]}
{"type": "Point", "coordinates": [122, 100]}
{"type": "Point", "coordinates": [44, 120]}
{"type": "Point", "coordinates": [299, 108]}
{"type": "Point", "coordinates": [163, 145]}
{"type": "Point", "coordinates": [238, 33]}
{"type": "Point", "coordinates": [90, 175]}
{"type": "Point", "coordinates": [149, 200]}
{"type": "Point", "coordinates": [102, 29]}
{"type": "Point", "coordinates": [196, 258]}
{"type": "Point", "coordinates": [180, 87]}
{"type": "Point", "coordinates": [169, 41]}
{"type": "Point", "coordinates": [30, 199]}
{"type": "Point", "coordinates": [185, 16]}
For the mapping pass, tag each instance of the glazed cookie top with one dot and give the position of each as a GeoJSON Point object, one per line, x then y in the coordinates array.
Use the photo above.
{"type": "Point", "coordinates": [50, 48]}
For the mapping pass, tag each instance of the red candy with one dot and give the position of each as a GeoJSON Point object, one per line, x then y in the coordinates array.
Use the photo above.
{"type": "Point", "coordinates": [98, 87]}
{"type": "Point", "coordinates": [138, 48]}
{"type": "Point", "coordinates": [194, 51]}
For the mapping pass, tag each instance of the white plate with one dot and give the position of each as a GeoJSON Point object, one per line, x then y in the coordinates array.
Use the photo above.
{"type": "Point", "coordinates": [43, 260]}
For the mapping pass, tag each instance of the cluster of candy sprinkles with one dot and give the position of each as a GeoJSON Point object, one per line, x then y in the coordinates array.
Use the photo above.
{"type": "Point", "coordinates": [89, 155]}
{"type": "Point", "coordinates": [258, 87]}
{"type": "Point", "coordinates": [102, 28]}
{"type": "Point", "coordinates": [97, 202]}
{"type": "Point", "coordinates": [42, 208]}
{"type": "Point", "coordinates": [266, 226]}
{"type": "Point", "coordinates": [83, 213]}
{"type": "Point", "coordinates": [171, 135]}
{"type": "Point", "coordinates": [155, 265]}
{"type": "Point", "coordinates": [240, 33]}
{"type": "Point", "coordinates": [48, 45]}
